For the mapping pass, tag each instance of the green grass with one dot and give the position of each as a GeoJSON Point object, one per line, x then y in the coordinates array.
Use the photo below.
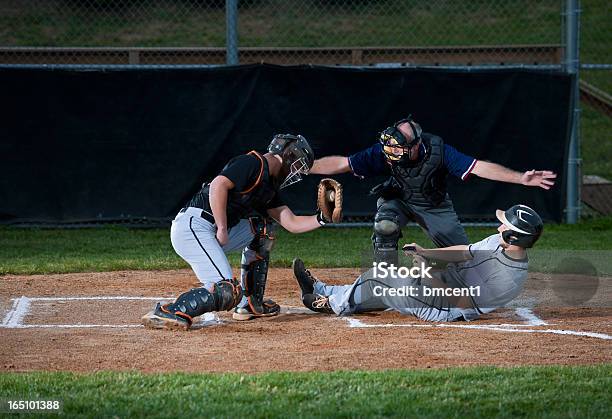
{"type": "Point", "coordinates": [282, 23]}
{"type": "Point", "coordinates": [37, 251]}
{"type": "Point", "coordinates": [552, 392]}
{"type": "Point", "coordinates": [596, 143]}
{"type": "Point", "coordinates": [301, 23]}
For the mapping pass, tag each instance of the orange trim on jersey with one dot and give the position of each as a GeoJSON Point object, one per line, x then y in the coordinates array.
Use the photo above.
{"type": "Point", "coordinates": [258, 181]}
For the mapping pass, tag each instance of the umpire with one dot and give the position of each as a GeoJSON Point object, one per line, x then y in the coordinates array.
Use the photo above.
{"type": "Point", "coordinates": [418, 164]}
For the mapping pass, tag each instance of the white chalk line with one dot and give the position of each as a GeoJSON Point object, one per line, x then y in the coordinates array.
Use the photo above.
{"type": "Point", "coordinates": [72, 326]}
{"type": "Point", "coordinates": [9, 314]}
{"type": "Point", "coordinates": [21, 306]}
{"type": "Point", "coordinates": [532, 320]}
{"type": "Point", "coordinates": [110, 297]}
{"type": "Point", "coordinates": [18, 311]}
{"type": "Point", "coordinates": [530, 317]}
{"type": "Point", "coordinates": [352, 322]}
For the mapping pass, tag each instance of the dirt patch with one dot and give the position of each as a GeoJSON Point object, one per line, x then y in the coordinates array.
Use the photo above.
{"type": "Point", "coordinates": [66, 334]}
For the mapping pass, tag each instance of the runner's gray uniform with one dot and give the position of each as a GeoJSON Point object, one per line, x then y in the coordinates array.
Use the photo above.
{"type": "Point", "coordinates": [499, 277]}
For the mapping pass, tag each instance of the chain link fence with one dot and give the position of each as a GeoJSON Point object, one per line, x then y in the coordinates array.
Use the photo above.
{"type": "Point", "coordinates": [596, 106]}
{"type": "Point", "coordinates": [437, 32]}
{"type": "Point", "coordinates": [330, 32]}
{"type": "Point", "coordinates": [112, 32]}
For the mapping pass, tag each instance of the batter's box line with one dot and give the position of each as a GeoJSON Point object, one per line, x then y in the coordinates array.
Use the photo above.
{"type": "Point", "coordinates": [109, 297]}
{"type": "Point", "coordinates": [510, 328]}
{"type": "Point", "coordinates": [21, 308]}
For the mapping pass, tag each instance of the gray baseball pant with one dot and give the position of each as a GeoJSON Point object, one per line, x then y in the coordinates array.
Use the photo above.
{"type": "Point", "coordinates": [440, 223]}
{"type": "Point", "coordinates": [195, 240]}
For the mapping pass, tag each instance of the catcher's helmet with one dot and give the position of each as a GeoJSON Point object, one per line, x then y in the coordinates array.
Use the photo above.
{"type": "Point", "coordinates": [525, 225]}
{"type": "Point", "coordinates": [392, 138]}
{"type": "Point", "coordinates": [297, 156]}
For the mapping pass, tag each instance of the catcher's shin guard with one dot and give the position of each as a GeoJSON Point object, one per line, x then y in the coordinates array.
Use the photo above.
{"type": "Point", "coordinates": [254, 269]}
{"type": "Point", "coordinates": [225, 295]}
{"type": "Point", "coordinates": [387, 232]}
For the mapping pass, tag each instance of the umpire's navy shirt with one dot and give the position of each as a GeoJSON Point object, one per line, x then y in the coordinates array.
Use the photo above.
{"type": "Point", "coordinates": [372, 161]}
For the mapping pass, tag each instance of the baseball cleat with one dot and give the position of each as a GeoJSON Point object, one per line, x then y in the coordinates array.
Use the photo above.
{"type": "Point", "coordinates": [318, 303]}
{"type": "Point", "coordinates": [162, 318]}
{"type": "Point", "coordinates": [270, 308]}
{"type": "Point", "coordinates": [304, 277]}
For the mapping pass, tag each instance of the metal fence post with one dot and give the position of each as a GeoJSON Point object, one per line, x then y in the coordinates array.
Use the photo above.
{"type": "Point", "coordinates": [572, 64]}
{"type": "Point", "coordinates": [231, 31]}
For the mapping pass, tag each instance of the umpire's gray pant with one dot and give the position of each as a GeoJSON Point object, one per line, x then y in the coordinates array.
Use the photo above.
{"type": "Point", "coordinates": [195, 240]}
{"type": "Point", "coordinates": [440, 223]}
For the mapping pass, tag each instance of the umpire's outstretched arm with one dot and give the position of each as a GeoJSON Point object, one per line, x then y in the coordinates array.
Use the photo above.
{"type": "Point", "coordinates": [544, 179]}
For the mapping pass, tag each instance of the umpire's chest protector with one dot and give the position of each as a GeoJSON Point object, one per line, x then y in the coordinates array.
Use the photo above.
{"type": "Point", "coordinates": [425, 183]}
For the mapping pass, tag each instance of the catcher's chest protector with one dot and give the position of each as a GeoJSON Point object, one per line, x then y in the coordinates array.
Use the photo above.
{"type": "Point", "coordinates": [424, 184]}
{"type": "Point", "coordinates": [241, 204]}
{"type": "Point", "coordinates": [256, 196]}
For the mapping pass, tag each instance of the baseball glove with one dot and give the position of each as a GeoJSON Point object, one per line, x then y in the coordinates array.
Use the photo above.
{"type": "Point", "coordinates": [329, 200]}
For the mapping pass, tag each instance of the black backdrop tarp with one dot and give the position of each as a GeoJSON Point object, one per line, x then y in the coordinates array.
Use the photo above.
{"type": "Point", "coordinates": [83, 145]}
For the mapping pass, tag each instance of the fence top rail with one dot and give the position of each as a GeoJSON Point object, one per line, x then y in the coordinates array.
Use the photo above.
{"type": "Point", "coordinates": [286, 49]}
{"type": "Point", "coordinates": [138, 67]}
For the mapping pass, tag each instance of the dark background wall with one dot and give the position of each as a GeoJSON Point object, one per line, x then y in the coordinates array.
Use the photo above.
{"type": "Point", "coordinates": [82, 145]}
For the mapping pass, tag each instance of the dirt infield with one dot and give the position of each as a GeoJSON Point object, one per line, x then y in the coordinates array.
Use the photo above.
{"type": "Point", "coordinates": [49, 325]}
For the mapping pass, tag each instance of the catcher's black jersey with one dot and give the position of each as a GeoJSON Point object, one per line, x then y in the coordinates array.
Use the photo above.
{"type": "Point", "coordinates": [254, 189]}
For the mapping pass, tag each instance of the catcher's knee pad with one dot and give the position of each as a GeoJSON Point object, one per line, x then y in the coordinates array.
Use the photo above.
{"type": "Point", "coordinates": [225, 295]}
{"type": "Point", "coordinates": [387, 232]}
{"type": "Point", "coordinates": [255, 262]}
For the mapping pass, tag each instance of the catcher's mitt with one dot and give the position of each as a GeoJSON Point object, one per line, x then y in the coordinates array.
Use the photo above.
{"type": "Point", "coordinates": [329, 200]}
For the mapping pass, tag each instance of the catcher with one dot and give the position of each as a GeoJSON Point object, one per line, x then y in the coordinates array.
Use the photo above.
{"type": "Point", "coordinates": [479, 277]}
{"type": "Point", "coordinates": [234, 211]}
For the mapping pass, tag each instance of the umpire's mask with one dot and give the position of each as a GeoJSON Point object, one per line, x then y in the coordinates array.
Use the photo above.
{"type": "Point", "coordinates": [297, 156]}
{"type": "Point", "coordinates": [396, 146]}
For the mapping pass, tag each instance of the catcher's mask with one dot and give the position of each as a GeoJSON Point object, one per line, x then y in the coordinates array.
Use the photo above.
{"type": "Point", "coordinates": [525, 225]}
{"type": "Point", "coordinates": [297, 156]}
{"type": "Point", "coordinates": [395, 144]}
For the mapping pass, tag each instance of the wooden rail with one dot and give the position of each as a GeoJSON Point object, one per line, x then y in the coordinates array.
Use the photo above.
{"type": "Point", "coordinates": [596, 97]}
{"type": "Point", "coordinates": [546, 54]}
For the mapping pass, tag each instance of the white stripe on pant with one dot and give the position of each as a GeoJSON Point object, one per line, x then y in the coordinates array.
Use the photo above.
{"type": "Point", "coordinates": [194, 239]}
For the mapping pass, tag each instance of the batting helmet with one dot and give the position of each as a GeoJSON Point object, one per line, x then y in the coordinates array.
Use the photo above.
{"type": "Point", "coordinates": [392, 138]}
{"type": "Point", "coordinates": [525, 225]}
{"type": "Point", "coordinates": [297, 156]}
